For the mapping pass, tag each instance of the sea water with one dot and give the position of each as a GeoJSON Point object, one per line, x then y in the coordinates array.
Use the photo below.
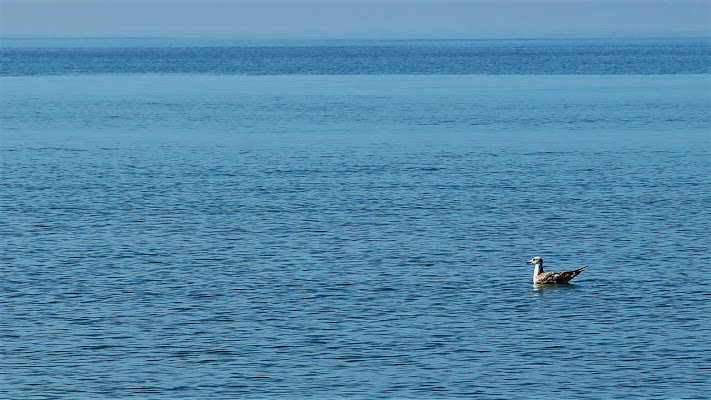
{"type": "Point", "coordinates": [326, 219]}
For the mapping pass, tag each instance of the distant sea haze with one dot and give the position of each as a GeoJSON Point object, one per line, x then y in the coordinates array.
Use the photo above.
{"type": "Point", "coordinates": [647, 56]}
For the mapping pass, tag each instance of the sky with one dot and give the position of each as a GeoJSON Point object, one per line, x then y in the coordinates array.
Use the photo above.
{"type": "Point", "coordinates": [349, 18]}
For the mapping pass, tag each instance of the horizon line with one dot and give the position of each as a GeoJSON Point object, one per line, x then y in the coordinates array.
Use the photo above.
{"type": "Point", "coordinates": [365, 36]}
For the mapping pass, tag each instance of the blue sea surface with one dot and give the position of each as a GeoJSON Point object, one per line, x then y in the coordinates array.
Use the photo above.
{"type": "Point", "coordinates": [211, 220]}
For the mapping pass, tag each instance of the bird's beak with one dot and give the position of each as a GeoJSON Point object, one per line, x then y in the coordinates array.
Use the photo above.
{"type": "Point", "coordinates": [529, 262]}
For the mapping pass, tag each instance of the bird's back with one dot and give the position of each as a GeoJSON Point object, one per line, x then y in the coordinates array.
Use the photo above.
{"type": "Point", "coordinates": [558, 277]}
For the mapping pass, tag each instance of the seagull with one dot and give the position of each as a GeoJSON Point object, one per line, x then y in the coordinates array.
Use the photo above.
{"type": "Point", "coordinates": [551, 277]}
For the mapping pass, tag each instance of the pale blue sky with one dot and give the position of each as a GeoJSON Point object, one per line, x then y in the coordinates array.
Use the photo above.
{"type": "Point", "coordinates": [337, 18]}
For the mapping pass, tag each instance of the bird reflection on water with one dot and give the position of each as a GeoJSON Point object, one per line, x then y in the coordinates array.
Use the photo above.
{"type": "Point", "coordinates": [537, 287]}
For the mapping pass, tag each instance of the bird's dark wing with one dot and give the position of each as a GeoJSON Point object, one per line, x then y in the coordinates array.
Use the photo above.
{"type": "Point", "coordinates": [558, 277]}
{"type": "Point", "coordinates": [563, 277]}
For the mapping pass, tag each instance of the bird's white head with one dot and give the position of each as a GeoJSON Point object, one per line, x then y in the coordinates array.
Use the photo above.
{"type": "Point", "coordinates": [535, 260]}
{"type": "Point", "coordinates": [537, 266]}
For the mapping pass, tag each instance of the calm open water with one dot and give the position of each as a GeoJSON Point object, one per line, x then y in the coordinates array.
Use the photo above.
{"type": "Point", "coordinates": [170, 230]}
